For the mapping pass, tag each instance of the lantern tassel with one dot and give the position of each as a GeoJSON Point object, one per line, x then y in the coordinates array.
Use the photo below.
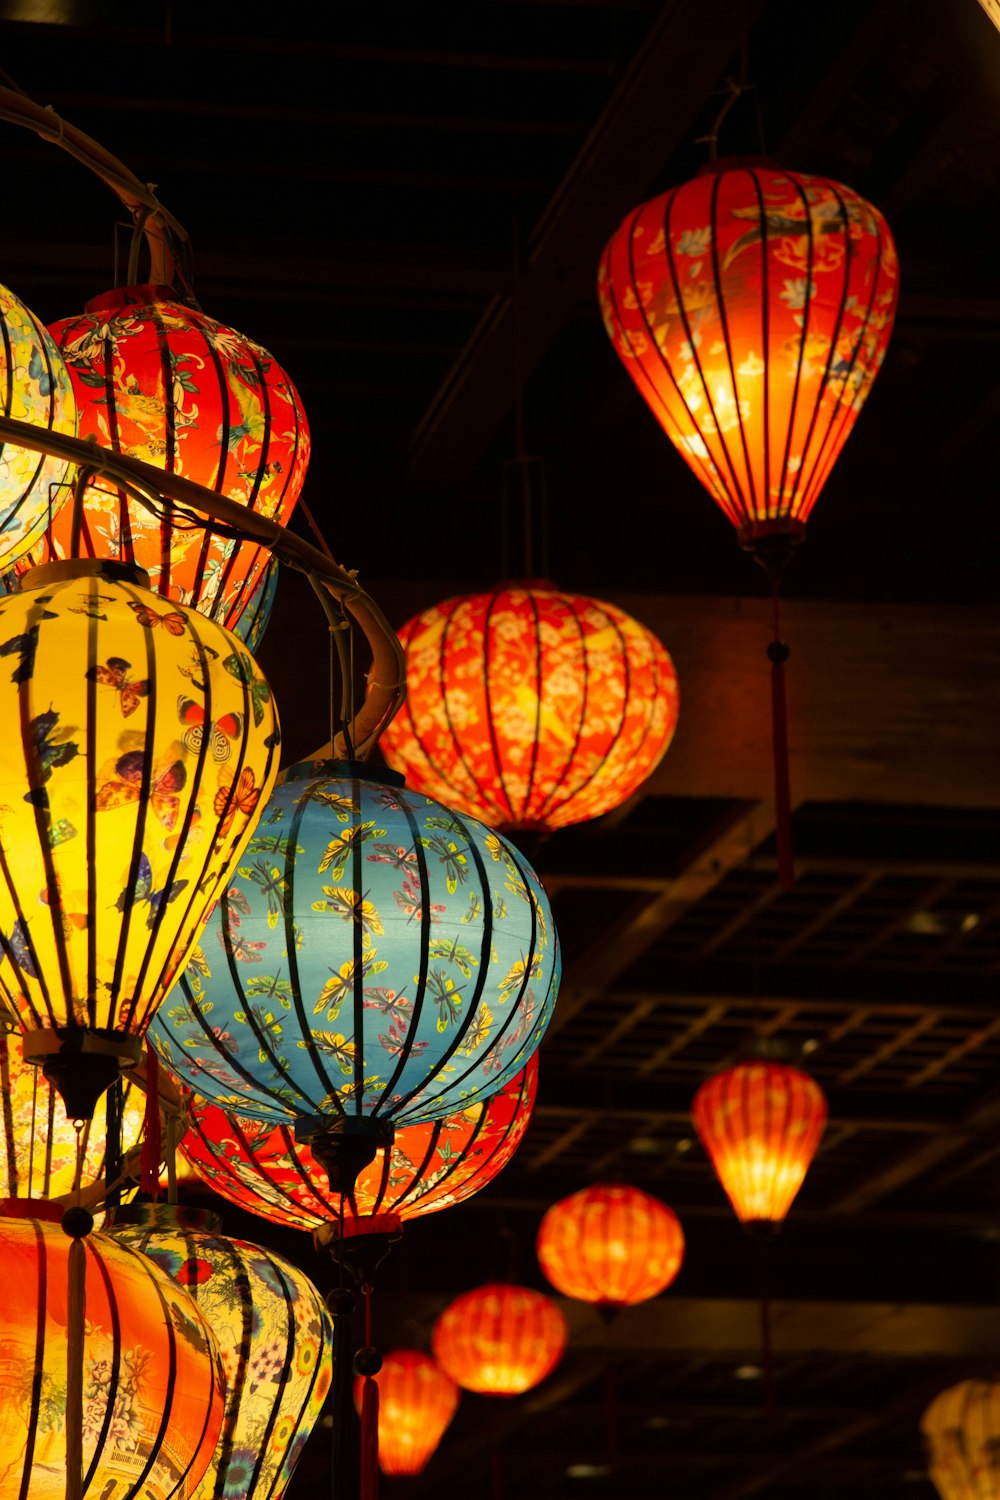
{"type": "Point", "coordinates": [77, 1313]}
{"type": "Point", "coordinates": [368, 1362]}
{"type": "Point", "coordinates": [778, 654]}
{"type": "Point", "coordinates": [152, 1146]}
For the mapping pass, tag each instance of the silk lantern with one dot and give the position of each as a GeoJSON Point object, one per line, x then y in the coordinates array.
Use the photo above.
{"type": "Point", "coordinates": [429, 1166]}
{"type": "Point", "coordinates": [961, 1430]}
{"type": "Point", "coordinates": [34, 387]}
{"type": "Point", "coordinates": [143, 738]}
{"type": "Point", "coordinates": [417, 1401]}
{"type": "Point", "coordinates": [760, 1123]}
{"type": "Point", "coordinates": [162, 382]}
{"type": "Point", "coordinates": [377, 960]}
{"type": "Point", "coordinates": [152, 1376]}
{"type": "Point", "coordinates": [273, 1331]}
{"type": "Point", "coordinates": [500, 1339]}
{"type": "Point", "coordinates": [610, 1244]}
{"type": "Point", "coordinates": [531, 708]}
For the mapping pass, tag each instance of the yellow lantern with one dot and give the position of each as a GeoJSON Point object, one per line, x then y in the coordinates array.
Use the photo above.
{"type": "Point", "coordinates": [141, 742]}
{"type": "Point", "coordinates": [961, 1429]}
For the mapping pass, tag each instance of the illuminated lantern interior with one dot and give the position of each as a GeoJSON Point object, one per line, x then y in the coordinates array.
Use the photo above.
{"type": "Point", "coordinates": [752, 307]}
{"type": "Point", "coordinates": [760, 1123]}
{"type": "Point", "coordinates": [417, 1400]}
{"type": "Point", "coordinates": [531, 708]}
{"type": "Point", "coordinates": [961, 1430]}
{"type": "Point", "coordinates": [610, 1244]}
{"type": "Point", "coordinates": [500, 1339]}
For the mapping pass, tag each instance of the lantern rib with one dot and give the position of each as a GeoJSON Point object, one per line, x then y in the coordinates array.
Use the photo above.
{"type": "Point", "coordinates": [437, 769]}
{"type": "Point", "coordinates": [782, 508]}
{"type": "Point", "coordinates": [558, 780]}
{"type": "Point", "coordinates": [91, 829]}
{"type": "Point", "coordinates": [498, 776]}
{"type": "Point", "coordinates": [21, 925]}
{"type": "Point", "coordinates": [765, 322]}
{"type": "Point", "coordinates": [358, 935]}
{"type": "Point", "coordinates": [171, 1386]}
{"type": "Point", "coordinates": [42, 1262]}
{"type": "Point", "coordinates": [116, 1358]}
{"type": "Point", "coordinates": [539, 688]}
{"type": "Point", "coordinates": [410, 1190]}
{"type": "Point", "coordinates": [747, 498]}
{"type": "Point", "coordinates": [291, 951]}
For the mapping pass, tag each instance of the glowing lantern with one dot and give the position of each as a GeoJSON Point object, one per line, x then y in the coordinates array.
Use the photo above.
{"type": "Point", "coordinates": [428, 1167]}
{"type": "Point", "coordinates": [158, 381]}
{"type": "Point", "coordinates": [39, 1155]}
{"type": "Point", "coordinates": [992, 9]}
{"type": "Point", "coordinates": [377, 960]}
{"type": "Point", "coordinates": [753, 307]}
{"type": "Point", "coordinates": [760, 1123]}
{"type": "Point", "coordinates": [153, 1382]}
{"type": "Point", "coordinates": [144, 740]}
{"type": "Point", "coordinates": [531, 708]}
{"type": "Point", "coordinates": [34, 387]}
{"type": "Point", "coordinates": [417, 1400]}
{"type": "Point", "coordinates": [961, 1429]}
{"type": "Point", "coordinates": [274, 1333]}
{"type": "Point", "coordinates": [500, 1339]}
{"type": "Point", "coordinates": [610, 1244]}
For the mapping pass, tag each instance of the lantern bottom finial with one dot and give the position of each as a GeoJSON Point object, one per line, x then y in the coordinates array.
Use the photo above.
{"type": "Point", "coordinates": [344, 1145]}
{"type": "Point", "coordinates": [80, 1063]}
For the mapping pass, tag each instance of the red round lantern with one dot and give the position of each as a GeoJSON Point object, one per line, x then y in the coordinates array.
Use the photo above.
{"type": "Point", "coordinates": [530, 708]}
{"type": "Point", "coordinates": [429, 1166]}
{"type": "Point", "coordinates": [761, 1123]}
{"type": "Point", "coordinates": [500, 1339]}
{"type": "Point", "coordinates": [417, 1400]}
{"type": "Point", "coordinates": [157, 380]}
{"type": "Point", "coordinates": [753, 307]}
{"type": "Point", "coordinates": [610, 1244]}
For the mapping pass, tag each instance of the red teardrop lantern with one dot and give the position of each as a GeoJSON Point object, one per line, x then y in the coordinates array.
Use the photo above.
{"type": "Point", "coordinates": [417, 1400]}
{"type": "Point", "coordinates": [610, 1244]}
{"type": "Point", "coordinates": [159, 381]}
{"type": "Point", "coordinates": [753, 307]}
{"type": "Point", "coordinates": [531, 708]}
{"type": "Point", "coordinates": [429, 1166]}
{"type": "Point", "coordinates": [760, 1123]}
{"type": "Point", "coordinates": [500, 1339]}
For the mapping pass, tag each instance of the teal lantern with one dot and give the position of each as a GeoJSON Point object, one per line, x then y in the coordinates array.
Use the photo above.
{"type": "Point", "coordinates": [377, 960]}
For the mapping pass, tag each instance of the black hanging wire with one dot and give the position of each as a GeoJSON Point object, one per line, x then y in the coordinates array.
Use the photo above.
{"type": "Point", "coordinates": [734, 89]}
{"type": "Point", "coordinates": [342, 662]}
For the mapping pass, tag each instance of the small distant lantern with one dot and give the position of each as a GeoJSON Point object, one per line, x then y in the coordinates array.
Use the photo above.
{"type": "Point", "coordinates": [961, 1429]}
{"type": "Point", "coordinates": [34, 387]}
{"type": "Point", "coordinates": [159, 381]}
{"type": "Point", "coordinates": [610, 1244]}
{"type": "Point", "coordinates": [263, 1169]}
{"type": "Point", "coordinates": [500, 1339]}
{"type": "Point", "coordinates": [378, 960]}
{"type": "Point", "coordinates": [761, 1123]}
{"type": "Point", "coordinates": [144, 738]}
{"type": "Point", "coordinates": [152, 1377]}
{"type": "Point", "coordinates": [531, 708]}
{"type": "Point", "coordinates": [274, 1334]}
{"type": "Point", "coordinates": [417, 1400]}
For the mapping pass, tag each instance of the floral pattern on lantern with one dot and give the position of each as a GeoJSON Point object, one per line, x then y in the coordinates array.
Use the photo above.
{"type": "Point", "coordinates": [145, 738]}
{"type": "Point", "coordinates": [500, 1339]}
{"type": "Point", "coordinates": [159, 381]}
{"type": "Point", "coordinates": [153, 1381]}
{"type": "Point", "coordinates": [752, 307]}
{"type": "Point", "coordinates": [376, 955]}
{"type": "Point", "coordinates": [429, 1166]}
{"type": "Point", "coordinates": [417, 1400]}
{"type": "Point", "coordinates": [530, 708]}
{"type": "Point", "coordinates": [35, 387]}
{"type": "Point", "coordinates": [961, 1430]}
{"type": "Point", "coordinates": [610, 1244]}
{"type": "Point", "coordinates": [761, 1124]}
{"type": "Point", "coordinates": [274, 1333]}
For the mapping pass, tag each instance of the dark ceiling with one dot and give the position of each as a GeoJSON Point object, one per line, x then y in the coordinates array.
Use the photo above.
{"type": "Point", "coordinates": [405, 203]}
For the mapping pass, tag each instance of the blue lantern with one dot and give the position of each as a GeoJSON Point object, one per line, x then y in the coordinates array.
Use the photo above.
{"type": "Point", "coordinates": [378, 959]}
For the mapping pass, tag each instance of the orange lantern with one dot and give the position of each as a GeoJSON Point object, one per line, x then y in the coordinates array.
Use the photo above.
{"type": "Point", "coordinates": [753, 307]}
{"type": "Point", "coordinates": [417, 1400]}
{"type": "Point", "coordinates": [530, 708]}
{"type": "Point", "coordinates": [500, 1339]}
{"type": "Point", "coordinates": [610, 1244]}
{"type": "Point", "coordinates": [159, 381]}
{"type": "Point", "coordinates": [761, 1123]}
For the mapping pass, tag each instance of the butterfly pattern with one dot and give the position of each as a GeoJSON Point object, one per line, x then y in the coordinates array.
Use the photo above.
{"type": "Point", "coordinates": [114, 674]}
{"type": "Point", "coordinates": [140, 892]}
{"type": "Point", "coordinates": [220, 733]}
{"type": "Point", "coordinates": [173, 623]}
{"type": "Point", "coordinates": [125, 784]}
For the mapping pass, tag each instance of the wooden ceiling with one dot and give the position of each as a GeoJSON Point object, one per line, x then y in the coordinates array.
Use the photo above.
{"type": "Point", "coordinates": [405, 203]}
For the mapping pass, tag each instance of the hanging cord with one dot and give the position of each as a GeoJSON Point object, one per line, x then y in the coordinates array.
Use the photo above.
{"type": "Point", "coordinates": [341, 654]}
{"type": "Point", "coordinates": [760, 1234]}
{"type": "Point", "coordinates": [777, 654]}
{"type": "Point", "coordinates": [735, 88]}
{"type": "Point", "coordinates": [368, 1362]}
{"type": "Point", "coordinates": [77, 1223]}
{"type": "Point", "coordinates": [152, 1144]}
{"type": "Point", "coordinates": [611, 1419]}
{"type": "Point", "coordinates": [341, 1304]}
{"type": "Point", "coordinates": [114, 1108]}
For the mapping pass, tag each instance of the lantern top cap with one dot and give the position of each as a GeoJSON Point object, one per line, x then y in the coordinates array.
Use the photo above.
{"type": "Point", "coordinates": [131, 296]}
{"type": "Point", "coordinates": [70, 568]}
{"type": "Point", "coordinates": [344, 770]}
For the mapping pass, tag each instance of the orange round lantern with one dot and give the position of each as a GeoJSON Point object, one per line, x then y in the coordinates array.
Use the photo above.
{"type": "Point", "coordinates": [761, 1123]}
{"type": "Point", "coordinates": [610, 1244]}
{"type": "Point", "coordinates": [753, 307]}
{"type": "Point", "coordinates": [417, 1400]}
{"type": "Point", "coordinates": [500, 1339]}
{"type": "Point", "coordinates": [530, 708]}
{"type": "Point", "coordinates": [157, 380]}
